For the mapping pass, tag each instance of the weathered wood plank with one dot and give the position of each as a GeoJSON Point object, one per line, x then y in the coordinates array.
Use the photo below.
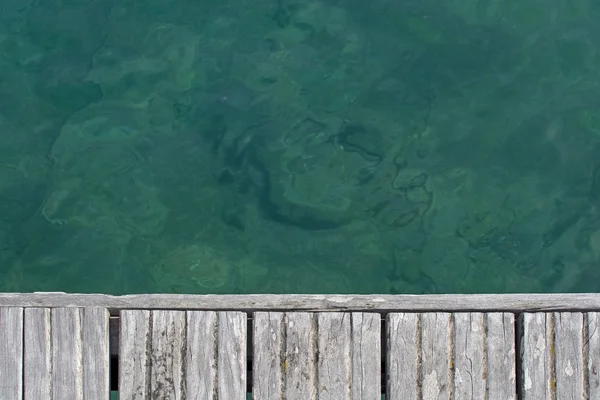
{"type": "Point", "coordinates": [403, 356]}
{"type": "Point", "coordinates": [570, 378]}
{"type": "Point", "coordinates": [169, 354]}
{"type": "Point", "coordinates": [592, 333]}
{"type": "Point", "coordinates": [11, 352]}
{"type": "Point", "coordinates": [168, 339]}
{"type": "Point", "coordinates": [134, 358]}
{"type": "Point", "coordinates": [37, 354]}
{"type": "Point", "coordinates": [299, 361]}
{"type": "Point", "coordinates": [96, 353]}
{"type": "Point", "coordinates": [470, 368]}
{"type": "Point", "coordinates": [285, 356]}
{"type": "Point", "coordinates": [366, 356]}
{"type": "Point", "coordinates": [536, 333]}
{"type": "Point", "coordinates": [334, 366]}
{"type": "Point", "coordinates": [201, 355]}
{"type": "Point", "coordinates": [268, 356]}
{"type": "Point", "coordinates": [306, 303]}
{"type": "Point", "coordinates": [231, 355]}
{"type": "Point", "coordinates": [552, 347]}
{"type": "Point", "coordinates": [484, 356]}
{"type": "Point", "coordinates": [501, 356]}
{"type": "Point", "coordinates": [67, 380]}
{"type": "Point", "coordinates": [436, 358]}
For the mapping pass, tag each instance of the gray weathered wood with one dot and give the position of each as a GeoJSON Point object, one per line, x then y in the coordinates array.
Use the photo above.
{"type": "Point", "coordinates": [484, 356]}
{"type": "Point", "coordinates": [592, 334]}
{"type": "Point", "coordinates": [436, 357]}
{"type": "Point", "coordinates": [134, 357]}
{"type": "Point", "coordinates": [366, 303]}
{"type": "Point", "coordinates": [67, 380]}
{"type": "Point", "coordinates": [552, 346]}
{"type": "Point", "coordinates": [536, 333]}
{"type": "Point", "coordinates": [231, 355]}
{"type": "Point", "coordinates": [11, 353]}
{"type": "Point", "coordinates": [285, 356]}
{"type": "Point", "coordinates": [403, 356]}
{"type": "Point", "coordinates": [592, 351]}
{"type": "Point", "coordinates": [299, 360]}
{"type": "Point", "coordinates": [501, 356]}
{"type": "Point", "coordinates": [167, 346]}
{"type": "Point", "coordinates": [37, 356]}
{"type": "Point", "coordinates": [166, 354]}
{"type": "Point", "coordinates": [334, 363]}
{"type": "Point", "coordinates": [568, 345]}
{"type": "Point", "coordinates": [201, 355]}
{"type": "Point", "coordinates": [470, 367]}
{"type": "Point", "coordinates": [96, 353]}
{"type": "Point", "coordinates": [269, 365]}
{"type": "Point", "coordinates": [366, 356]}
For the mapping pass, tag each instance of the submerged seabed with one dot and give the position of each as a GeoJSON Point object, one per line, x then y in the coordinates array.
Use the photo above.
{"type": "Point", "coordinates": [314, 146]}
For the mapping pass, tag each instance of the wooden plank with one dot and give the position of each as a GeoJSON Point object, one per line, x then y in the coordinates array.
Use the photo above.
{"type": "Point", "coordinates": [168, 340]}
{"type": "Point", "coordinates": [470, 368]}
{"type": "Point", "coordinates": [231, 355]}
{"type": "Point", "coordinates": [592, 334]}
{"type": "Point", "coordinates": [336, 303]}
{"type": "Point", "coordinates": [501, 356]}
{"type": "Point", "coordinates": [536, 333]}
{"type": "Point", "coordinates": [201, 355]}
{"type": "Point", "coordinates": [436, 358]}
{"type": "Point", "coordinates": [96, 353]}
{"type": "Point", "coordinates": [299, 359]}
{"type": "Point", "coordinates": [134, 359]}
{"type": "Point", "coordinates": [285, 356]}
{"type": "Point", "coordinates": [268, 366]}
{"type": "Point", "coordinates": [403, 356]}
{"type": "Point", "coordinates": [484, 356]}
{"type": "Point", "coordinates": [37, 354]}
{"type": "Point", "coordinates": [366, 356]}
{"type": "Point", "coordinates": [172, 354]}
{"type": "Point", "coordinates": [552, 347]}
{"type": "Point", "coordinates": [67, 380]}
{"type": "Point", "coordinates": [570, 378]}
{"type": "Point", "coordinates": [334, 363]}
{"type": "Point", "coordinates": [11, 353]}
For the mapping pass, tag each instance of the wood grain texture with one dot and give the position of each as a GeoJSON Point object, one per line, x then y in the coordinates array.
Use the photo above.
{"type": "Point", "coordinates": [536, 333]}
{"type": "Point", "coordinates": [403, 339]}
{"type": "Point", "coordinates": [201, 355]}
{"type": "Point", "coordinates": [568, 348]}
{"type": "Point", "coordinates": [231, 355]}
{"type": "Point", "coordinates": [96, 353]}
{"type": "Point", "coordinates": [470, 366]}
{"type": "Point", "coordinates": [365, 303]}
{"type": "Point", "coordinates": [286, 365]}
{"type": "Point", "coordinates": [299, 356]}
{"type": "Point", "coordinates": [366, 356]}
{"type": "Point", "coordinates": [334, 367]}
{"type": "Point", "coordinates": [436, 357]}
{"type": "Point", "coordinates": [592, 350]}
{"type": "Point", "coordinates": [501, 356]}
{"type": "Point", "coordinates": [167, 354]}
{"type": "Point", "coordinates": [37, 358]}
{"type": "Point", "coordinates": [268, 366]}
{"type": "Point", "coordinates": [67, 377]}
{"type": "Point", "coordinates": [11, 353]}
{"type": "Point", "coordinates": [134, 358]}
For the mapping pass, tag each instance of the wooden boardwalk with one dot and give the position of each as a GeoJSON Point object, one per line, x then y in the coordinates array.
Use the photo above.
{"type": "Point", "coordinates": [56, 346]}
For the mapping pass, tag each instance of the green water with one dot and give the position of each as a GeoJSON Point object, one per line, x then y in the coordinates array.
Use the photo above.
{"type": "Point", "coordinates": [300, 146]}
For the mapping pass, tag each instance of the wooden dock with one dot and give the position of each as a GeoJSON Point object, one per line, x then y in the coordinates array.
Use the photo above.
{"type": "Point", "coordinates": [56, 346]}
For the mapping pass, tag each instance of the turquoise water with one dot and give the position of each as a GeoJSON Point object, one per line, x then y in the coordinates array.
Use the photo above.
{"type": "Point", "coordinates": [300, 147]}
